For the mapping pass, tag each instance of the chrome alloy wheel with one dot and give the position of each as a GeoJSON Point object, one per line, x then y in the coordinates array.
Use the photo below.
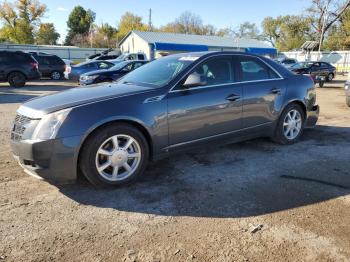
{"type": "Point", "coordinates": [292, 124]}
{"type": "Point", "coordinates": [118, 157]}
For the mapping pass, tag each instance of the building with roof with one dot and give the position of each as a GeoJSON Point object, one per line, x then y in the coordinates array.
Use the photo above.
{"type": "Point", "coordinates": [157, 44]}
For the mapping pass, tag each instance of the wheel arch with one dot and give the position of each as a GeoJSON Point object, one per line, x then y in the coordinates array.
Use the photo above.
{"type": "Point", "coordinates": [16, 71]}
{"type": "Point", "coordinates": [132, 122]}
{"type": "Point", "coordinates": [298, 102]}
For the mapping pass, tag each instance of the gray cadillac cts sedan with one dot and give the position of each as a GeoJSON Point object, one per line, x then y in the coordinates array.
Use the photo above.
{"type": "Point", "coordinates": [110, 132]}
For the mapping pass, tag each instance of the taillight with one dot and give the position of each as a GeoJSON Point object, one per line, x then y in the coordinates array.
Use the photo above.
{"type": "Point", "coordinates": [34, 65]}
{"type": "Point", "coordinates": [68, 69]}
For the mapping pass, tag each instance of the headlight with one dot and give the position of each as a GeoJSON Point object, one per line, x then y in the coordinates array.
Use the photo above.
{"type": "Point", "coordinates": [88, 78]}
{"type": "Point", "coordinates": [49, 125]}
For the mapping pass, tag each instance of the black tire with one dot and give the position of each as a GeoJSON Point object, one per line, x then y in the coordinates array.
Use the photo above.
{"type": "Point", "coordinates": [330, 77]}
{"type": "Point", "coordinates": [87, 160]}
{"type": "Point", "coordinates": [279, 136]}
{"type": "Point", "coordinates": [55, 75]}
{"type": "Point", "coordinates": [17, 79]}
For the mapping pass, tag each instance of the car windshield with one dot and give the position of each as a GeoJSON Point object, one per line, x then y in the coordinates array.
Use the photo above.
{"type": "Point", "coordinates": [159, 72]}
{"type": "Point", "coordinates": [302, 65]}
{"type": "Point", "coordinates": [119, 66]}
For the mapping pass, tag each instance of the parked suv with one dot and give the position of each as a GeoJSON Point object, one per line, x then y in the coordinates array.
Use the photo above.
{"type": "Point", "coordinates": [50, 65]}
{"type": "Point", "coordinates": [17, 67]}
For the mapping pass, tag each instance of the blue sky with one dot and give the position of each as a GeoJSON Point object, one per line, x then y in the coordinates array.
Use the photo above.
{"type": "Point", "coordinates": [220, 13]}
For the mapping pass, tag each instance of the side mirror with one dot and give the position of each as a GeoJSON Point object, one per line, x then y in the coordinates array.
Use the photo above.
{"type": "Point", "coordinates": [194, 80]}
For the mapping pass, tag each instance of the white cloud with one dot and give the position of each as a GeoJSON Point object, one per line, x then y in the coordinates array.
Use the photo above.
{"type": "Point", "coordinates": [61, 9]}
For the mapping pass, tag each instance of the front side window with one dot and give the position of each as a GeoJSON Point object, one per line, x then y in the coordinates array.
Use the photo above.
{"type": "Point", "coordinates": [216, 71]}
{"type": "Point", "coordinates": [160, 72]}
{"type": "Point", "coordinates": [252, 70]}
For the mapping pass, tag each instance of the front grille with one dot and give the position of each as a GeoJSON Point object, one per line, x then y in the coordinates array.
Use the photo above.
{"type": "Point", "coordinates": [19, 126]}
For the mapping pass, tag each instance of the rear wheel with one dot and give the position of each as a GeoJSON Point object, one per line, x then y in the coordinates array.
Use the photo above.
{"type": "Point", "coordinates": [17, 79]}
{"type": "Point", "coordinates": [115, 155]}
{"type": "Point", "coordinates": [55, 75]}
{"type": "Point", "coordinates": [290, 125]}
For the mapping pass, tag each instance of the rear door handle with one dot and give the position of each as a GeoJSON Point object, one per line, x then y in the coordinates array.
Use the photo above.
{"type": "Point", "coordinates": [233, 97]}
{"type": "Point", "coordinates": [276, 91]}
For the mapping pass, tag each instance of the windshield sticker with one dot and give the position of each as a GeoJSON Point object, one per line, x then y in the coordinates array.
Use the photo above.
{"type": "Point", "coordinates": [188, 58]}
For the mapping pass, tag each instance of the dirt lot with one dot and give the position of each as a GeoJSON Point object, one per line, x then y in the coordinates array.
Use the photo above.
{"type": "Point", "coordinates": [202, 206]}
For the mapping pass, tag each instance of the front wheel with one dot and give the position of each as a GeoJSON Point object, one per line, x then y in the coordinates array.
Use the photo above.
{"type": "Point", "coordinates": [290, 126]}
{"type": "Point", "coordinates": [114, 155]}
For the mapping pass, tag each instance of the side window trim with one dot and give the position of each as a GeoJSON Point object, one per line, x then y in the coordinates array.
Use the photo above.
{"type": "Point", "coordinates": [174, 89]}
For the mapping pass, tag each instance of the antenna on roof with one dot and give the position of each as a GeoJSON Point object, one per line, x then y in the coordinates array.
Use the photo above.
{"type": "Point", "coordinates": [150, 26]}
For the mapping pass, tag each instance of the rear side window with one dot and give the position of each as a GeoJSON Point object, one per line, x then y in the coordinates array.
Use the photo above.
{"type": "Point", "coordinates": [252, 69]}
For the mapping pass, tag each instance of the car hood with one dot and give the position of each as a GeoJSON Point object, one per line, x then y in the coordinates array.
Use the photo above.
{"type": "Point", "coordinates": [40, 106]}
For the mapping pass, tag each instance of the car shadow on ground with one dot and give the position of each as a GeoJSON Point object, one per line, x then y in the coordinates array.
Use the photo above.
{"type": "Point", "coordinates": [239, 180]}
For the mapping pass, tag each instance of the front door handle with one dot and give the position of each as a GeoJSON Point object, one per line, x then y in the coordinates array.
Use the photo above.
{"type": "Point", "coordinates": [276, 91]}
{"type": "Point", "coordinates": [233, 97]}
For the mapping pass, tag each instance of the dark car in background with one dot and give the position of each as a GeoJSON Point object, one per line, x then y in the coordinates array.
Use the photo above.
{"type": "Point", "coordinates": [111, 74]}
{"type": "Point", "coordinates": [50, 65]}
{"type": "Point", "coordinates": [288, 62]}
{"type": "Point", "coordinates": [111, 131]}
{"type": "Point", "coordinates": [75, 71]}
{"type": "Point", "coordinates": [17, 67]}
{"type": "Point", "coordinates": [315, 69]}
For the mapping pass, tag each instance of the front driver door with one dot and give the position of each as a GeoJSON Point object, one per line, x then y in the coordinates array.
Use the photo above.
{"type": "Point", "coordinates": [206, 111]}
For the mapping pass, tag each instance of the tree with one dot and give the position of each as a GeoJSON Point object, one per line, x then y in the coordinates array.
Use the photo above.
{"type": "Point", "coordinates": [247, 30]}
{"type": "Point", "coordinates": [339, 34]}
{"type": "Point", "coordinates": [47, 34]}
{"type": "Point", "coordinates": [21, 19]}
{"type": "Point", "coordinates": [286, 32]}
{"type": "Point", "coordinates": [324, 13]}
{"type": "Point", "coordinates": [105, 36]}
{"type": "Point", "coordinates": [189, 23]}
{"type": "Point", "coordinates": [129, 22]}
{"type": "Point", "coordinates": [79, 23]}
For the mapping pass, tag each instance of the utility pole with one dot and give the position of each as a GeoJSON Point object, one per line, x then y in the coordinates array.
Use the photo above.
{"type": "Point", "coordinates": [150, 26]}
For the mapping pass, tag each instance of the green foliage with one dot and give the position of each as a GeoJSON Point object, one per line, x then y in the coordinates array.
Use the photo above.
{"type": "Point", "coordinates": [20, 20]}
{"type": "Point", "coordinates": [79, 23]}
{"type": "Point", "coordinates": [129, 22]}
{"type": "Point", "coordinates": [47, 34]}
{"type": "Point", "coordinates": [286, 32]}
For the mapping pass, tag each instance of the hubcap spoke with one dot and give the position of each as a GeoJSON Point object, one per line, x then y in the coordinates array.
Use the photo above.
{"type": "Point", "coordinates": [104, 166]}
{"type": "Point", "coordinates": [104, 152]}
{"type": "Point", "coordinates": [128, 143]}
{"type": "Point", "coordinates": [115, 172]}
{"type": "Point", "coordinates": [115, 142]}
{"type": "Point", "coordinates": [133, 155]}
{"type": "Point", "coordinates": [127, 167]}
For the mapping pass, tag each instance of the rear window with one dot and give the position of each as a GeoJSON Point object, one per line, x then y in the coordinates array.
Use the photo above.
{"type": "Point", "coordinates": [252, 70]}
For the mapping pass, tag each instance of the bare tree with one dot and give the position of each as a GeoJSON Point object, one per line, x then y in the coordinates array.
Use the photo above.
{"type": "Point", "coordinates": [324, 13]}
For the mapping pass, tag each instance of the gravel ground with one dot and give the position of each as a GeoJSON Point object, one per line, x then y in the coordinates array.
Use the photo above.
{"type": "Point", "coordinates": [243, 202]}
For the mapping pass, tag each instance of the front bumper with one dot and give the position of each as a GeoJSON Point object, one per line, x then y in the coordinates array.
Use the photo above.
{"type": "Point", "coordinates": [312, 116]}
{"type": "Point", "coordinates": [53, 160]}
